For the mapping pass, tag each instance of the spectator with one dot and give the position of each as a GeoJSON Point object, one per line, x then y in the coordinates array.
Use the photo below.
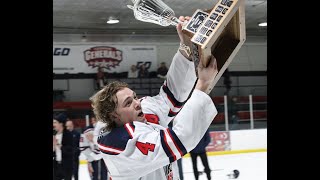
{"type": "Point", "coordinates": [63, 149]}
{"type": "Point", "coordinates": [233, 113]}
{"type": "Point", "coordinates": [133, 72]}
{"type": "Point", "coordinates": [162, 71]}
{"type": "Point", "coordinates": [76, 150]}
{"type": "Point", "coordinates": [101, 79]}
{"type": "Point", "coordinates": [227, 81]}
{"type": "Point", "coordinates": [143, 71]}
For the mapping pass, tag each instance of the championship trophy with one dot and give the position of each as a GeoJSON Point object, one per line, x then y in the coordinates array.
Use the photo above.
{"type": "Point", "coordinates": [219, 31]}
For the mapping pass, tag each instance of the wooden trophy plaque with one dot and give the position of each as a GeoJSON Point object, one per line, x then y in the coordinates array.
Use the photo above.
{"type": "Point", "coordinates": [219, 31]}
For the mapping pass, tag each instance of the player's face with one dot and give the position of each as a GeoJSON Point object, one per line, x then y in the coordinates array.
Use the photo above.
{"type": "Point", "coordinates": [93, 120]}
{"type": "Point", "coordinates": [69, 125]}
{"type": "Point", "coordinates": [56, 125]}
{"type": "Point", "coordinates": [129, 107]}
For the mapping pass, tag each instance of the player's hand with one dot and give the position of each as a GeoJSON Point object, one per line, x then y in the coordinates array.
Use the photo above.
{"type": "Point", "coordinates": [89, 136]}
{"type": "Point", "coordinates": [206, 74]}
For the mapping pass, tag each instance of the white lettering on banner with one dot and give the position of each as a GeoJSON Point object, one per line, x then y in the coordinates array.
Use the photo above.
{"type": "Point", "coordinates": [103, 56]}
{"type": "Point", "coordinates": [95, 54]}
{"type": "Point", "coordinates": [61, 51]}
{"type": "Point", "coordinates": [113, 58]}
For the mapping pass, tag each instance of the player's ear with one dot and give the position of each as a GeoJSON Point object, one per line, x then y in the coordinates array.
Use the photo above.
{"type": "Point", "coordinates": [114, 116]}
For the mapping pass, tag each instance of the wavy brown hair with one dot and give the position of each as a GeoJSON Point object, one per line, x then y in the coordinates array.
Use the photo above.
{"type": "Point", "coordinates": [105, 101]}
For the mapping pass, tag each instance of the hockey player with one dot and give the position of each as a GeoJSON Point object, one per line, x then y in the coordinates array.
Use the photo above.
{"type": "Point", "coordinates": [142, 139]}
{"type": "Point", "coordinates": [96, 165]}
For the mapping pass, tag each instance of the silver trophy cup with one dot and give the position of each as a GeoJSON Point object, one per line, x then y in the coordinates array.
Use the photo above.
{"type": "Point", "coordinates": [153, 11]}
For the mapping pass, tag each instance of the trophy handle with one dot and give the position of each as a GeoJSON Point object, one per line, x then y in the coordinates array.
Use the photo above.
{"type": "Point", "coordinates": [130, 7]}
{"type": "Point", "coordinates": [175, 21]}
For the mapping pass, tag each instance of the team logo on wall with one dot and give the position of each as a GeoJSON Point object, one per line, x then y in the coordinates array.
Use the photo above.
{"type": "Point", "coordinates": [103, 56]}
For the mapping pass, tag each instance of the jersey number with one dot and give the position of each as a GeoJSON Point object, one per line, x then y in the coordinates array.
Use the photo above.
{"type": "Point", "coordinates": [145, 147]}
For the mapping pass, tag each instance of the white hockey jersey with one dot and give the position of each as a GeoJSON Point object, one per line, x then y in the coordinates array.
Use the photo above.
{"type": "Point", "coordinates": [148, 151]}
{"type": "Point", "coordinates": [89, 149]}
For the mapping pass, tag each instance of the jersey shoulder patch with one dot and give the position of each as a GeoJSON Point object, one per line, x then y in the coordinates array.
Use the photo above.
{"type": "Point", "coordinates": [116, 141]}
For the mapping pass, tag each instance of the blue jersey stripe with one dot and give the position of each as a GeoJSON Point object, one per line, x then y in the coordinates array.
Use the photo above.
{"type": "Point", "coordinates": [165, 147]}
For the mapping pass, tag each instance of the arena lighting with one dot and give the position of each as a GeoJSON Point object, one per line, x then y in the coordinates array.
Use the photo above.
{"type": "Point", "coordinates": [112, 21]}
{"type": "Point", "coordinates": [263, 24]}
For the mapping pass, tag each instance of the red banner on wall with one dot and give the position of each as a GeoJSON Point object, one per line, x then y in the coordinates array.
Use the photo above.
{"type": "Point", "coordinates": [220, 141]}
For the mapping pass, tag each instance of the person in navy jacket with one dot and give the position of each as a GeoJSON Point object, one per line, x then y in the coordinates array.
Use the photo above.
{"type": "Point", "coordinates": [200, 150]}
